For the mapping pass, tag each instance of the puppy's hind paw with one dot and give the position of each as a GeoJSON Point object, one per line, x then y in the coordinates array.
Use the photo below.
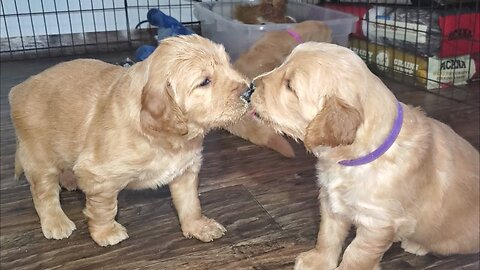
{"type": "Point", "coordinates": [204, 229]}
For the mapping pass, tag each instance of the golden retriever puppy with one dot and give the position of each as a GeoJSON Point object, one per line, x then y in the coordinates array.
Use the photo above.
{"type": "Point", "coordinates": [383, 166]}
{"type": "Point", "coordinates": [265, 55]}
{"type": "Point", "coordinates": [119, 128]}
{"type": "Point", "coordinates": [268, 11]}
{"type": "Point", "coordinates": [273, 47]}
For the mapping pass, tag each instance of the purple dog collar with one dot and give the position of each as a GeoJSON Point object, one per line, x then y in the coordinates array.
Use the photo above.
{"type": "Point", "coordinates": [397, 126]}
{"type": "Point", "coordinates": [295, 35]}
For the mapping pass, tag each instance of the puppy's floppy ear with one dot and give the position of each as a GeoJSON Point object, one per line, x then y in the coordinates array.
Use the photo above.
{"type": "Point", "coordinates": [160, 113]}
{"type": "Point", "coordinates": [336, 124]}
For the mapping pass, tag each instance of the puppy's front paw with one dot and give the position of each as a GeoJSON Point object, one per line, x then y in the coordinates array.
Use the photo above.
{"type": "Point", "coordinates": [313, 260]}
{"type": "Point", "coordinates": [111, 235]}
{"type": "Point", "coordinates": [57, 226]}
{"type": "Point", "coordinates": [204, 229]}
{"type": "Point", "coordinates": [414, 248]}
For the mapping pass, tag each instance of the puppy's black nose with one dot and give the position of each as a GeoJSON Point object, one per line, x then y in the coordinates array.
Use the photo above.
{"type": "Point", "coordinates": [248, 93]}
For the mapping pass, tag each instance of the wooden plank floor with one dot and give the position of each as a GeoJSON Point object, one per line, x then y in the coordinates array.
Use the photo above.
{"type": "Point", "coordinates": [267, 203]}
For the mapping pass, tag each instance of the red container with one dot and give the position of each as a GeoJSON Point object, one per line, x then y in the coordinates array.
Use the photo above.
{"type": "Point", "coordinates": [460, 34]}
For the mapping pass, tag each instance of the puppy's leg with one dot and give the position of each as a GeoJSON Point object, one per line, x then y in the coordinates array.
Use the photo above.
{"type": "Point", "coordinates": [367, 249]}
{"type": "Point", "coordinates": [18, 165]}
{"type": "Point", "coordinates": [46, 197]}
{"type": "Point", "coordinates": [101, 209]}
{"type": "Point", "coordinates": [331, 235]}
{"type": "Point", "coordinates": [250, 129]}
{"type": "Point", "coordinates": [184, 190]}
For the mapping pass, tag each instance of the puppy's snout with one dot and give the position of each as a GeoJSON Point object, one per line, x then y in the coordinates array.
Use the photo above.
{"type": "Point", "coordinates": [248, 93]}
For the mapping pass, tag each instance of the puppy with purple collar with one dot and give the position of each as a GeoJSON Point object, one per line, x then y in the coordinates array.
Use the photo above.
{"type": "Point", "coordinates": [383, 166]}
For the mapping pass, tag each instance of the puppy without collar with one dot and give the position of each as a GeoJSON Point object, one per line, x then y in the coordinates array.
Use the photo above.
{"type": "Point", "coordinates": [117, 128]}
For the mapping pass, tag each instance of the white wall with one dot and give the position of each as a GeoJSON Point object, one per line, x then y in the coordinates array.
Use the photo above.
{"type": "Point", "coordinates": [80, 10]}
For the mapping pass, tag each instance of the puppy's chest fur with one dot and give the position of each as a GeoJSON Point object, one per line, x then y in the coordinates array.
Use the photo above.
{"type": "Point", "coordinates": [340, 194]}
{"type": "Point", "coordinates": [163, 168]}
{"type": "Point", "coordinates": [358, 194]}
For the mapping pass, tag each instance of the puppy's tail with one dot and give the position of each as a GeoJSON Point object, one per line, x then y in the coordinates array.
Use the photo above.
{"type": "Point", "coordinates": [18, 164]}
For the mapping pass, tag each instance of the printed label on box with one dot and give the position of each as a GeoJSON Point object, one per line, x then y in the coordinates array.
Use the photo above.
{"type": "Point", "coordinates": [363, 54]}
{"type": "Point", "coordinates": [383, 61]}
{"type": "Point", "coordinates": [404, 66]}
{"type": "Point", "coordinates": [456, 70]}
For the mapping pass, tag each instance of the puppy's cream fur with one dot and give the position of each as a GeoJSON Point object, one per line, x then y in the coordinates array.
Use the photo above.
{"type": "Point", "coordinates": [266, 54]}
{"type": "Point", "coordinates": [424, 191]}
{"type": "Point", "coordinates": [119, 128]}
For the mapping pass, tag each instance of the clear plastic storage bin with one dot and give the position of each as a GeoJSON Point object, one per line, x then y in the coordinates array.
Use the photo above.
{"type": "Point", "coordinates": [218, 25]}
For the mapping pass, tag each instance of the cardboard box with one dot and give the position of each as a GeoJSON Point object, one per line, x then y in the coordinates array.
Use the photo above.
{"type": "Point", "coordinates": [432, 72]}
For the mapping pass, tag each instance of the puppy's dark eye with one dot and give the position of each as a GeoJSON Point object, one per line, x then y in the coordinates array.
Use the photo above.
{"type": "Point", "coordinates": [205, 82]}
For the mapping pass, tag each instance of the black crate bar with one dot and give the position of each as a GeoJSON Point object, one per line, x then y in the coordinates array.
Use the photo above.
{"type": "Point", "coordinates": [63, 29]}
{"type": "Point", "coordinates": [398, 43]}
